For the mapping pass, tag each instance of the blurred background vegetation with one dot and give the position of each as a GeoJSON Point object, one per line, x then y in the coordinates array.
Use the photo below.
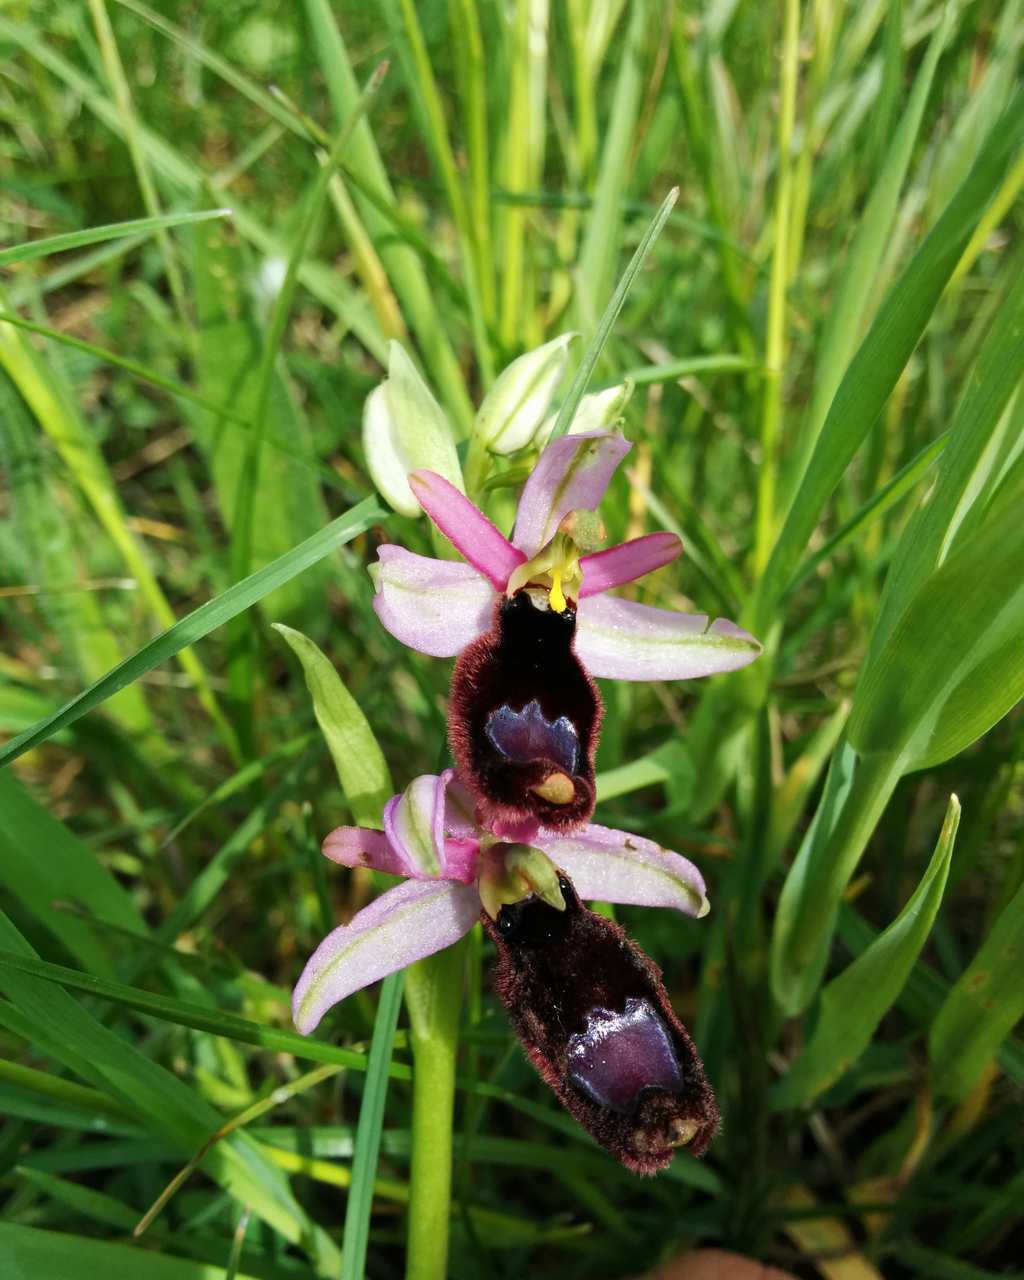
{"type": "Point", "coordinates": [180, 405]}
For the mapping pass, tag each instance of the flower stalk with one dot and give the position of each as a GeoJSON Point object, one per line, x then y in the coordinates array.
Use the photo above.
{"type": "Point", "coordinates": [433, 998]}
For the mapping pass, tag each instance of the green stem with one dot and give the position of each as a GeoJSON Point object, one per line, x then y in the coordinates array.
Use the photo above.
{"type": "Point", "coordinates": [476, 468]}
{"type": "Point", "coordinates": [433, 996]}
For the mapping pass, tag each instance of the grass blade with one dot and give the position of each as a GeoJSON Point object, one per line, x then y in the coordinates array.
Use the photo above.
{"type": "Point", "coordinates": [368, 1132]}
{"type": "Point", "coordinates": [55, 1255]}
{"type": "Point", "coordinates": [854, 1003]}
{"type": "Point", "coordinates": [51, 561]}
{"type": "Point", "coordinates": [603, 236]}
{"type": "Point", "coordinates": [953, 665]}
{"type": "Point", "coordinates": [65, 1031]}
{"type": "Point", "coordinates": [570, 404]}
{"type": "Point", "coordinates": [182, 1013]}
{"type": "Point", "coordinates": [844, 319]}
{"type": "Point", "coordinates": [982, 1008]}
{"type": "Point", "coordinates": [875, 368]}
{"type": "Point", "coordinates": [43, 391]}
{"type": "Point", "coordinates": [967, 472]}
{"type": "Point", "coordinates": [200, 622]}
{"type": "Point", "coordinates": [69, 872]}
{"type": "Point", "coordinates": [32, 249]}
{"type": "Point", "coordinates": [404, 267]}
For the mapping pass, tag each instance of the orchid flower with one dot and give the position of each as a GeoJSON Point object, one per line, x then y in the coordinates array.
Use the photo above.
{"type": "Point", "coordinates": [453, 869]}
{"type": "Point", "coordinates": [532, 621]}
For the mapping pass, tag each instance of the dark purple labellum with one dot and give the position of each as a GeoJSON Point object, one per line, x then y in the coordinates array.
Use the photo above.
{"type": "Point", "coordinates": [595, 1020]}
{"type": "Point", "coordinates": [524, 718]}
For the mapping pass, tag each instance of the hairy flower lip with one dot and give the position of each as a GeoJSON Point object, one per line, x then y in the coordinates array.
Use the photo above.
{"type": "Point", "coordinates": [595, 1020]}
{"type": "Point", "coordinates": [526, 659]}
{"type": "Point", "coordinates": [432, 909]}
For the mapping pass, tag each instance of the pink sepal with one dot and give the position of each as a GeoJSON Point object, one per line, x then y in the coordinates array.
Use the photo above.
{"type": "Point", "coordinates": [571, 475]}
{"type": "Point", "coordinates": [614, 866]}
{"type": "Point", "coordinates": [433, 606]}
{"type": "Point", "coordinates": [408, 922]}
{"type": "Point", "coordinates": [627, 641]}
{"type": "Point", "coordinates": [461, 857]}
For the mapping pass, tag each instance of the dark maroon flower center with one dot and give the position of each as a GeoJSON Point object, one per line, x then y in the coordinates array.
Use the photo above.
{"type": "Point", "coordinates": [524, 718]}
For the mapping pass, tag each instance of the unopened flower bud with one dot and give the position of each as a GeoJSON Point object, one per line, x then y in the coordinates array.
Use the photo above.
{"type": "Point", "coordinates": [405, 429]}
{"type": "Point", "coordinates": [515, 407]}
{"type": "Point", "coordinates": [596, 412]}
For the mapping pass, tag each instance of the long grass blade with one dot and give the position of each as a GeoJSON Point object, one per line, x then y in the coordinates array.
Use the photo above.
{"type": "Point", "coordinates": [200, 622]}
{"type": "Point", "coordinates": [895, 332]}
{"type": "Point", "coordinates": [32, 249]}
{"type": "Point", "coordinates": [368, 1132]}
{"type": "Point", "coordinates": [592, 354]}
{"type": "Point", "coordinates": [853, 1004]}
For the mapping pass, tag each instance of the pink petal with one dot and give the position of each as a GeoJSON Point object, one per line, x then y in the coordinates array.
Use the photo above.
{"type": "Point", "coordinates": [408, 922]}
{"type": "Point", "coordinates": [628, 641]}
{"type": "Point", "coordinates": [460, 835]}
{"type": "Point", "coordinates": [461, 860]}
{"type": "Point", "coordinates": [361, 847]}
{"type": "Point", "coordinates": [459, 819]}
{"type": "Point", "coordinates": [616, 565]}
{"type": "Point", "coordinates": [414, 825]}
{"type": "Point", "coordinates": [614, 866]}
{"type": "Point", "coordinates": [515, 830]}
{"type": "Point", "coordinates": [571, 475]}
{"type": "Point", "coordinates": [433, 606]}
{"type": "Point", "coordinates": [466, 527]}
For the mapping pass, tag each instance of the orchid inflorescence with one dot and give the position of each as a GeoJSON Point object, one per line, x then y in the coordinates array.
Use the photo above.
{"type": "Point", "coordinates": [506, 836]}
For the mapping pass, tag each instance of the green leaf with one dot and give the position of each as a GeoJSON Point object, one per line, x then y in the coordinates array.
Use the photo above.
{"type": "Point", "coordinates": [93, 235]}
{"type": "Point", "coordinates": [33, 1254]}
{"type": "Point", "coordinates": [845, 318]}
{"type": "Point", "coordinates": [882, 355]}
{"type": "Point", "coordinates": [855, 795]}
{"type": "Point", "coordinates": [93, 1205]}
{"type": "Point", "coordinates": [854, 1003]}
{"type": "Point", "coordinates": [362, 769]}
{"type": "Point", "coordinates": [954, 663]}
{"type": "Point", "coordinates": [368, 1133]}
{"type": "Point", "coordinates": [69, 873]}
{"type": "Point", "coordinates": [925, 992]}
{"type": "Point", "coordinates": [218, 1022]}
{"type": "Point", "coordinates": [61, 1029]}
{"type": "Point", "coordinates": [670, 761]}
{"type": "Point", "coordinates": [982, 1008]}
{"type": "Point", "coordinates": [872, 510]}
{"type": "Point", "coordinates": [968, 469]}
{"type": "Point", "coordinates": [200, 622]}
{"type": "Point", "coordinates": [567, 410]}
{"type": "Point", "coordinates": [287, 491]}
